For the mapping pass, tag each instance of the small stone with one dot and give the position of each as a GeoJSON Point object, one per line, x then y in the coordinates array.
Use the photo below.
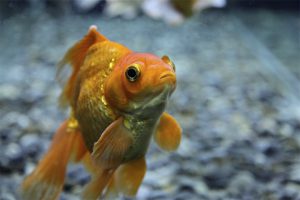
{"type": "Point", "coordinates": [15, 118]}
{"type": "Point", "coordinates": [291, 191]}
{"type": "Point", "coordinates": [266, 127]}
{"type": "Point", "coordinates": [242, 182]}
{"type": "Point", "coordinates": [144, 192]}
{"type": "Point", "coordinates": [76, 175]}
{"type": "Point", "coordinates": [295, 173]}
{"type": "Point", "coordinates": [11, 158]}
{"type": "Point", "coordinates": [7, 135]}
{"type": "Point", "coordinates": [186, 188]}
{"type": "Point", "coordinates": [183, 195]}
{"type": "Point", "coordinates": [32, 96]}
{"type": "Point", "coordinates": [66, 196]}
{"type": "Point", "coordinates": [31, 145]}
{"type": "Point", "coordinates": [218, 177]}
{"type": "Point", "coordinates": [200, 187]}
{"type": "Point", "coordinates": [88, 5]}
{"type": "Point", "coordinates": [9, 92]}
{"type": "Point", "coordinates": [286, 130]}
{"type": "Point", "coordinates": [271, 150]}
{"type": "Point", "coordinates": [157, 195]}
{"type": "Point", "coordinates": [7, 196]}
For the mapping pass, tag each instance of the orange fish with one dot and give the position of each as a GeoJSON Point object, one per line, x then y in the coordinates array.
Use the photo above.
{"type": "Point", "coordinates": [117, 99]}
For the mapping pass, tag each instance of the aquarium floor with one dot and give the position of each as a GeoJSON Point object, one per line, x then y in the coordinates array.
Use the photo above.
{"type": "Point", "coordinates": [237, 101]}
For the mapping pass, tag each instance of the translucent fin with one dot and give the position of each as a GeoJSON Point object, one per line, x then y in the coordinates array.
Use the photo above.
{"type": "Point", "coordinates": [111, 190]}
{"type": "Point", "coordinates": [46, 181]}
{"type": "Point", "coordinates": [89, 164]}
{"type": "Point", "coordinates": [110, 150]}
{"type": "Point", "coordinates": [108, 153]}
{"type": "Point", "coordinates": [127, 179]}
{"type": "Point", "coordinates": [75, 57]}
{"type": "Point", "coordinates": [79, 149]}
{"type": "Point", "coordinates": [168, 133]}
{"type": "Point", "coordinates": [94, 189]}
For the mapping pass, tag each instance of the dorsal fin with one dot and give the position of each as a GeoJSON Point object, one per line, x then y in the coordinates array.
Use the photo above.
{"type": "Point", "coordinates": [75, 57]}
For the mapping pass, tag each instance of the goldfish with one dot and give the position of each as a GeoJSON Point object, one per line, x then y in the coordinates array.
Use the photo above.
{"type": "Point", "coordinates": [117, 99]}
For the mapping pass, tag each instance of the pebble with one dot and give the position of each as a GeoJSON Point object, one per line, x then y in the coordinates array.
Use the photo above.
{"type": "Point", "coordinates": [243, 182]}
{"type": "Point", "coordinates": [11, 158]}
{"type": "Point", "coordinates": [76, 176]}
{"type": "Point", "coordinates": [286, 130]}
{"type": "Point", "coordinates": [144, 192]}
{"type": "Point", "coordinates": [7, 196]}
{"type": "Point", "coordinates": [266, 127]}
{"type": "Point", "coordinates": [17, 119]}
{"type": "Point", "coordinates": [295, 172]}
{"type": "Point", "coordinates": [9, 92]}
{"type": "Point", "coordinates": [218, 177]}
{"type": "Point", "coordinates": [31, 145]}
{"type": "Point", "coordinates": [183, 195]}
{"type": "Point", "coordinates": [8, 135]}
{"type": "Point", "coordinates": [158, 195]}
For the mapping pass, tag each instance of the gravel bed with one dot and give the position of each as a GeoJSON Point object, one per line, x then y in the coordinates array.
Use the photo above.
{"type": "Point", "coordinates": [241, 132]}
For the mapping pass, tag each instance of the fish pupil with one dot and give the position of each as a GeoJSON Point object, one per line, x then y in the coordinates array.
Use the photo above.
{"type": "Point", "coordinates": [132, 73]}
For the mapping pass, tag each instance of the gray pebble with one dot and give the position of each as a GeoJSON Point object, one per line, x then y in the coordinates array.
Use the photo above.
{"type": "Point", "coordinates": [243, 182]}
{"type": "Point", "coordinates": [76, 176]}
{"type": "Point", "coordinates": [218, 177]}
{"type": "Point", "coordinates": [7, 196]}
{"type": "Point", "coordinates": [31, 145]}
{"type": "Point", "coordinates": [11, 158]}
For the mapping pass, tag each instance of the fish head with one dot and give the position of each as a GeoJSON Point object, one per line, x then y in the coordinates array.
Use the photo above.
{"type": "Point", "coordinates": [140, 81]}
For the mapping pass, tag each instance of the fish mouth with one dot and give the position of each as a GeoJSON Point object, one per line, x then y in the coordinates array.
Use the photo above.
{"type": "Point", "coordinates": [168, 75]}
{"type": "Point", "coordinates": [168, 79]}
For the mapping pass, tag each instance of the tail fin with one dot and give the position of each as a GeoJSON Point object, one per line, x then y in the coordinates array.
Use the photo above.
{"type": "Point", "coordinates": [75, 56]}
{"type": "Point", "coordinates": [46, 181]}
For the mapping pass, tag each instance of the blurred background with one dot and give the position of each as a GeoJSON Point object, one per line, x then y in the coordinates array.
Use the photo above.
{"type": "Point", "coordinates": [237, 100]}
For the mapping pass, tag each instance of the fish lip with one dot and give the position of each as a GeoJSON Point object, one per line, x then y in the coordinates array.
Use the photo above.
{"type": "Point", "coordinates": [167, 75]}
{"type": "Point", "coordinates": [168, 79]}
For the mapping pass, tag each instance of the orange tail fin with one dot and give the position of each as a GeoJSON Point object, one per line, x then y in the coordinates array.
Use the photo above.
{"type": "Point", "coordinates": [75, 56]}
{"type": "Point", "coordinates": [46, 181]}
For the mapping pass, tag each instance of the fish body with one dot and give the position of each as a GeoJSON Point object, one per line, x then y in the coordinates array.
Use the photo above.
{"type": "Point", "coordinates": [117, 99]}
{"type": "Point", "coordinates": [90, 104]}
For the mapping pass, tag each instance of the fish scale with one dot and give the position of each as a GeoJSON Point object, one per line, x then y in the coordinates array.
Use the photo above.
{"type": "Point", "coordinates": [95, 71]}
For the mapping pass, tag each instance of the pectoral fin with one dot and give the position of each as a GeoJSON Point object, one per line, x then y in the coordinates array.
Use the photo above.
{"type": "Point", "coordinates": [168, 133]}
{"type": "Point", "coordinates": [109, 151]}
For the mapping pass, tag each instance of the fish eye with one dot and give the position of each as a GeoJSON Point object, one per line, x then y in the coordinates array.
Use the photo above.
{"type": "Point", "coordinates": [132, 73]}
{"type": "Point", "coordinates": [167, 60]}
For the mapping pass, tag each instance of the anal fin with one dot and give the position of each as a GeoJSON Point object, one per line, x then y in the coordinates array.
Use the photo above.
{"type": "Point", "coordinates": [93, 190]}
{"type": "Point", "coordinates": [127, 179]}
